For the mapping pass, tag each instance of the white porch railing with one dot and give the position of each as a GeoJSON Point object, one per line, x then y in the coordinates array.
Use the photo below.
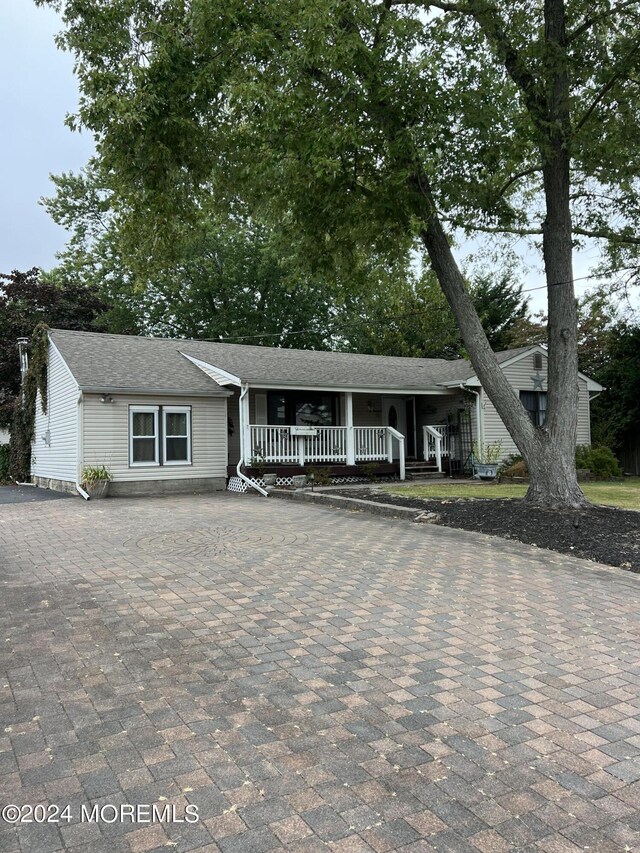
{"type": "Point", "coordinates": [329, 444]}
{"type": "Point", "coordinates": [371, 444]}
{"type": "Point", "coordinates": [273, 444]}
{"type": "Point", "coordinates": [435, 441]}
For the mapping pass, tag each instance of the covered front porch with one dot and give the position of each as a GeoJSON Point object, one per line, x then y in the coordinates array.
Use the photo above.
{"type": "Point", "coordinates": [295, 430]}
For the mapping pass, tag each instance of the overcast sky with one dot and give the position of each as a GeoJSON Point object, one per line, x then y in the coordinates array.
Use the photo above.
{"type": "Point", "coordinates": [38, 90]}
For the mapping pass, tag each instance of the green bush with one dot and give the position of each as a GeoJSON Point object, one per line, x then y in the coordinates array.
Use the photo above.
{"type": "Point", "coordinates": [4, 462]}
{"type": "Point", "coordinates": [599, 460]}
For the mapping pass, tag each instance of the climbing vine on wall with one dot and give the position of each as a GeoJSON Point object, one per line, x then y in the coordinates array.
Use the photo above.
{"type": "Point", "coordinates": [24, 419]}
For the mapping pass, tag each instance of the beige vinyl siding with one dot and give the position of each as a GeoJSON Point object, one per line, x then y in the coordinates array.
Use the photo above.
{"type": "Point", "coordinates": [584, 416]}
{"type": "Point", "coordinates": [520, 376]}
{"type": "Point", "coordinates": [106, 437]}
{"type": "Point", "coordinates": [57, 460]}
{"type": "Point", "coordinates": [361, 414]}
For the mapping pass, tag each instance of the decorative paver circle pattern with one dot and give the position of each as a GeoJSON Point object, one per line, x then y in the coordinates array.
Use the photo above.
{"type": "Point", "coordinates": [216, 541]}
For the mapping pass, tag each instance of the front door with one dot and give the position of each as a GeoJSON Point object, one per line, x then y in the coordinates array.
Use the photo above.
{"type": "Point", "coordinates": [394, 413]}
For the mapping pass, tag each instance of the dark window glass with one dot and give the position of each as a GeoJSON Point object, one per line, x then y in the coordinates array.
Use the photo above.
{"type": "Point", "coordinates": [176, 423]}
{"type": "Point", "coordinates": [277, 409]}
{"type": "Point", "coordinates": [288, 408]}
{"type": "Point", "coordinates": [176, 449]}
{"type": "Point", "coordinates": [144, 450]}
{"type": "Point", "coordinates": [316, 412]}
{"type": "Point", "coordinates": [144, 423]}
{"type": "Point", "coordinates": [535, 402]}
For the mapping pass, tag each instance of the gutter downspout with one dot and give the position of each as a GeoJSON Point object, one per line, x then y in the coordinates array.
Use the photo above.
{"type": "Point", "coordinates": [79, 451]}
{"type": "Point", "coordinates": [244, 391]}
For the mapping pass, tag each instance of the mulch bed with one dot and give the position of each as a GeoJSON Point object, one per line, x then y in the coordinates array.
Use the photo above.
{"type": "Point", "coordinates": [604, 534]}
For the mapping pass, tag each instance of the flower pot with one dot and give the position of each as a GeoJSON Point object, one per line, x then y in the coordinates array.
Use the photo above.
{"type": "Point", "coordinates": [97, 490]}
{"type": "Point", "coordinates": [485, 470]}
{"type": "Point", "coordinates": [299, 481]}
{"type": "Point", "coordinates": [270, 479]}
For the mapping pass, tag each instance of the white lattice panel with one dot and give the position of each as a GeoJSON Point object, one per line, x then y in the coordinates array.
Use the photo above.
{"type": "Point", "coordinates": [284, 481]}
{"type": "Point", "coordinates": [235, 484]}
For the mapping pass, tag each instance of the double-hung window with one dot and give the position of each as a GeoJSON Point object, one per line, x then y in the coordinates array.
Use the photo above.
{"type": "Point", "coordinates": [159, 435]}
{"type": "Point", "coordinates": [144, 435]}
{"type": "Point", "coordinates": [176, 430]}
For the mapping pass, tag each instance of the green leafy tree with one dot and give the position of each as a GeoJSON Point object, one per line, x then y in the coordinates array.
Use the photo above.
{"type": "Point", "coordinates": [410, 317]}
{"type": "Point", "coordinates": [376, 124]}
{"type": "Point", "coordinates": [616, 413]}
{"type": "Point", "coordinates": [26, 300]}
{"type": "Point", "coordinates": [501, 307]}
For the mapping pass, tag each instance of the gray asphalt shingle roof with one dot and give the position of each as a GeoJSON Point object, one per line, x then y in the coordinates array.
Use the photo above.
{"type": "Point", "coordinates": [108, 362]}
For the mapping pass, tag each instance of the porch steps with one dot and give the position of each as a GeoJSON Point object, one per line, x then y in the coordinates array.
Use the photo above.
{"type": "Point", "coordinates": [422, 469]}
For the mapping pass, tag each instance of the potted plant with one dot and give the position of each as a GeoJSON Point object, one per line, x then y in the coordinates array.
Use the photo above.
{"type": "Point", "coordinates": [486, 458]}
{"type": "Point", "coordinates": [95, 481]}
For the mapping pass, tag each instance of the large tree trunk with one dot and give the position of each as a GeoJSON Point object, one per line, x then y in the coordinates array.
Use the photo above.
{"type": "Point", "coordinates": [557, 440]}
{"type": "Point", "coordinates": [551, 462]}
{"type": "Point", "coordinates": [548, 450]}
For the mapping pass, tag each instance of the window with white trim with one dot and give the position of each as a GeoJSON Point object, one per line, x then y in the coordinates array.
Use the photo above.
{"type": "Point", "coordinates": [176, 431]}
{"type": "Point", "coordinates": [159, 435]}
{"type": "Point", "coordinates": [144, 435]}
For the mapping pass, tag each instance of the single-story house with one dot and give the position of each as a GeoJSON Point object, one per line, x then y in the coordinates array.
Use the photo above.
{"type": "Point", "coordinates": [4, 435]}
{"type": "Point", "coordinates": [179, 415]}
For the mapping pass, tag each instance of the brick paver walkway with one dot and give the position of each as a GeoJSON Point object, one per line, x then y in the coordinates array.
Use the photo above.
{"type": "Point", "coordinates": [311, 680]}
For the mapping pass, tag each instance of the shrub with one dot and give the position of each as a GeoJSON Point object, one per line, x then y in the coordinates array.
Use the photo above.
{"type": "Point", "coordinates": [509, 461]}
{"type": "Point", "coordinates": [517, 469]}
{"type": "Point", "coordinates": [4, 462]}
{"type": "Point", "coordinates": [320, 476]}
{"type": "Point", "coordinates": [599, 460]}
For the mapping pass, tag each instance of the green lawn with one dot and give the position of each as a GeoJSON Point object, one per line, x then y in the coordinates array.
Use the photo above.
{"type": "Point", "coordinates": [625, 494]}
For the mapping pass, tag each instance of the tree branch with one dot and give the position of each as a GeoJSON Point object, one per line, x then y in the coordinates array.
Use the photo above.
{"type": "Point", "coordinates": [461, 8]}
{"type": "Point", "coordinates": [590, 22]}
{"type": "Point", "coordinates": [606, 88]}
{"type": "Point", "coordinates": [512, 180]}
{"type": "Point", "coordinates": [605, 234]}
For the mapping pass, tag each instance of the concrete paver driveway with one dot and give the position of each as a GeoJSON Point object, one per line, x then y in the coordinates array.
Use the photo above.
{"type": "Point", "coordinates": [308, 680]}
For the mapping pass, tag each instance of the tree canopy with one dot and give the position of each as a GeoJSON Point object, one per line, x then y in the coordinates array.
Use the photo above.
{"type": "Point", "coordinates": [26, 301]}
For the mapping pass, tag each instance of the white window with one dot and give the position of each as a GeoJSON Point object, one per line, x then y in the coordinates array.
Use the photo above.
{"type": "Point", "coordinates": [176, 432]}
{"type": "Point", "coordinates": [159, 435]}
{"type": "Point", "coordinates": [143, 435]}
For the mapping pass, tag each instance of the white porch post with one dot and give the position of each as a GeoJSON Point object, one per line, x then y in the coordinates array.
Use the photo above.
{"type": "Point", "coordinates": [348, 414]}
{"type": "Point", "coordinates": [389, 447]}
{"type": "Point", "coordinates": [245, 430]}
{"type": "Point", "coordinates": [439, 453]}
{"type": "Point", "coordinates": [402, 469]}
{"type": "Point", "coordinates": [301, 451]}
